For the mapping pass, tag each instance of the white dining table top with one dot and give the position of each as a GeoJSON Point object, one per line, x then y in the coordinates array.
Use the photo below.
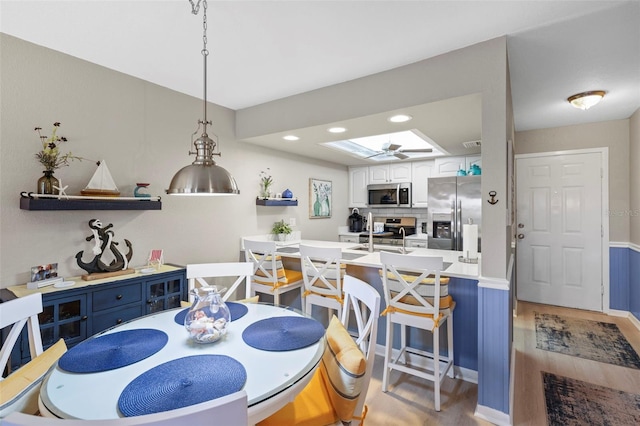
{"type": "Point", "coordinates": [95, 395]}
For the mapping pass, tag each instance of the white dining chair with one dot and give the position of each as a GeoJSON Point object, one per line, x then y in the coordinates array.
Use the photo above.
{"type": "Point", "coordinates": [241, 271]}
{"type": "Point", "coordinates": [269, 274]}
{"type": "Point", "coordinates": [323, 275]}
{"type": "Point", "coordinates": [229, 410]}
{"type": "Point", "coordinates": [337, 392]}
{"type": "Point", "coordinates": [19, 390]}
{"type": "Point", "coordinates": [417, 296]}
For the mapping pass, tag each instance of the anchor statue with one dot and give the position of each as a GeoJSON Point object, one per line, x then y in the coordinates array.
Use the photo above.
{"type": "Point", "coordinates": [104, 242]}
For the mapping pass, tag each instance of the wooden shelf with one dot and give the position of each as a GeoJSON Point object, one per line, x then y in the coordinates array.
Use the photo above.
{"type": "Point", "coordinates": [275, 202]}
{"type": "Point", "coordinates": [54, 204]}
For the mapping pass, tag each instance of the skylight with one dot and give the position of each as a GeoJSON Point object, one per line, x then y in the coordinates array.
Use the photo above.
{"type": "Point", "coordinates": [388, 146]}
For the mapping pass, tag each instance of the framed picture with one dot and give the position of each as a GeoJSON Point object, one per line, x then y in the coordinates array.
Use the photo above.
{"type": "Point", "coordinates": [44, 272]}
{"type": "Point", "coordinates": [319, 198]}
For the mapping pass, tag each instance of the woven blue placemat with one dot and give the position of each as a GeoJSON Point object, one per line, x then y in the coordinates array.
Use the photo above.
{"type": "Point", "coordinates": [180, 383]}
{"type": "Point", "coordinates": [237, 311]}
{"type": "Point", "coordinates": [113, 350]}
{"type": "Point", "coordinates": [283, 333]}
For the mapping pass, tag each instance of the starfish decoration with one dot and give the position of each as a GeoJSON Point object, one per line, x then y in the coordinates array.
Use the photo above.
{"type": "Point", "coordinates": [61, 190]}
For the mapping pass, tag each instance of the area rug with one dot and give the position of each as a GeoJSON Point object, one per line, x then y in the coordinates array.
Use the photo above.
{"type": "Point", "coordinates": [574, 402]}
{"type": "Point", "coordinates": [594, 340]}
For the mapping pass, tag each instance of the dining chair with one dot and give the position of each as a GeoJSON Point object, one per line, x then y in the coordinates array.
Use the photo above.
{"type": "Point", "coordinates": [337, 392]}
{"type": "Point", "coordinates": [19, 390]}
{"type": "Point", "coordinates": [228, 410]}
{"type": "Point", "coordinates": [269, 274]}
{"type": "Point", "coordinates": [417, 296]}
{"type": "Point", "coordinates": [242, 271]}
{"type": "Point", "coordinates": [323, 275]}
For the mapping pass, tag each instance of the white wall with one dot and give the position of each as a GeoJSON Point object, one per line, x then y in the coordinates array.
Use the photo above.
{"type": "Point", "coordinates": [143, 132]}
{"type": "Point", "coordinates": [611, 134]}
{"type": "Point", "coordinates": [634, 177]}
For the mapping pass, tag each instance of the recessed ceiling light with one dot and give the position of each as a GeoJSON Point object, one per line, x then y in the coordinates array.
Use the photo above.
{"type": "Point", "coordinates": [291, 138]}
{"type": "Point", "coordinates": [336, 130]}
{"type": "Point", "coordinates": [400, 118]}
{"type": "Point", "coordinates": [586, 100]}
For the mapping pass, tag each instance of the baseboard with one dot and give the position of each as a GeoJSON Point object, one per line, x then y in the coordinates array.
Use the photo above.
{"type": "Point", "coordinates": [625, 314]}
{"type": "Point", "coordinates": [494, 416]}
{"type": "Point", "coordinates": [512, 379]}
{"type": "Point", "coordinates": [461, 373]}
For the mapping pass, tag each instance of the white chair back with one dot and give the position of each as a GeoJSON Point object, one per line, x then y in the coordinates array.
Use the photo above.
{"type": "Point", "coordinates": [363, 301]}
{"type": "Point", "coordinates": [228, 410]}
{"type": "Point", "coordinates": [321, 270]}
{"type": "Point", "coordinates": [18, 313]}
{"type": "Point", "coordinates": [196, 274]}
{"type": "Point", "coordinates": [263, 256]}
{"type": "Point", "coordinates": [405, 278]}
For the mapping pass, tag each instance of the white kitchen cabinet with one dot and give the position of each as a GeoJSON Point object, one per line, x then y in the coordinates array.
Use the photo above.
{"type": "Point", "coordinates": [420, 173]}
{"type": "Point", "coordinates": [415, 243]}
{"type": "Point", "coordinates": [390, 173]}
{"type": "Point", "coordinates": [471, 160]}
{"type": "Point", "coordinates": [358, 181]}
{"type": "Point", "coordinates": [448, 166]}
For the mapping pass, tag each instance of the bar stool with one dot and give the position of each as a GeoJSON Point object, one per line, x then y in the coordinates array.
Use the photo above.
{"type": "Point", "coordinates": [323, 276]}
{"type": "Point", "coordinates": [269, 275]}
{"type": "Point", "coordinates": [417, 296]}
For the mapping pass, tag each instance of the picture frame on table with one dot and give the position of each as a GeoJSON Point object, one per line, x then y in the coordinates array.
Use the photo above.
{"type": "Point", "coordinates": [320, 203]}
{"type": "Point", "coordinates": [44, 272]}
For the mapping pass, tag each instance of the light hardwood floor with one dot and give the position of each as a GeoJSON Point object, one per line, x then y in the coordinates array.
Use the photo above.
{"type": "Point", "coordinates": [410, 399]}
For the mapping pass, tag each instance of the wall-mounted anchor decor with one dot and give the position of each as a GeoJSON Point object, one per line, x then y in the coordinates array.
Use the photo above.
{"type": "Point", "coordinates": [97, 268]}
{"type": "Point", "coordinates": [492, 200]}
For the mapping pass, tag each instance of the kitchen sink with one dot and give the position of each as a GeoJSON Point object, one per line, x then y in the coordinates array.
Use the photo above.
{"type": "Point", "coordinates": [378, 249]}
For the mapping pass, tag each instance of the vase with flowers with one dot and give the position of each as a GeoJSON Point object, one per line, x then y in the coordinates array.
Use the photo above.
{"type": "Point", "coordinates": [265, 183]}
{"type": "Point", "coordinates": [51, 158]}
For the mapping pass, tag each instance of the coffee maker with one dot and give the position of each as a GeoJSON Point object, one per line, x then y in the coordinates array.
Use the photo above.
{"type": "Point", "coordinates": [355, 221]}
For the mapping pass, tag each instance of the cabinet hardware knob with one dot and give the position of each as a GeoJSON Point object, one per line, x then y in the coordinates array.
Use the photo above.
{"type": "Point", "coordinates": [118, 297]}
{"type": "Point", "coordinates": [84, 318]}
{"type": "Point", "coordinates": [119, 321]}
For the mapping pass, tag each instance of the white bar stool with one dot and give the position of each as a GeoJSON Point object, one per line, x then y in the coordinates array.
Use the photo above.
{"type": "Point", "coordinates": [323, 276]}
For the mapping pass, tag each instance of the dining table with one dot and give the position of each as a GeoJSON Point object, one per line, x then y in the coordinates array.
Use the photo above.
{"type": "Point", "coordinates": [132, 369]}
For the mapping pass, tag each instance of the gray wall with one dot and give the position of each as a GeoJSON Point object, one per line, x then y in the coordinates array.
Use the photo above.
{"type": "Point", "coordinates": [611, 134]}
{"type": "Point", "coordinates": [143, 132]}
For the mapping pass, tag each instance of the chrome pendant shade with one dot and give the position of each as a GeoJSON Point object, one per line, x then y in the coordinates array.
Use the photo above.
{"type": "Point", "coordinates": [203, 176]}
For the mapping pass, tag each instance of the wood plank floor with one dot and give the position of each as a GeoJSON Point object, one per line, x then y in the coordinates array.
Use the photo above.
{"type": "Point", "coordinates": [410, 399]}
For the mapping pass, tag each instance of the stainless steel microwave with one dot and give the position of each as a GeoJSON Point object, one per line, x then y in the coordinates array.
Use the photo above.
{"type": "Point", "coordinates": [389, 195]}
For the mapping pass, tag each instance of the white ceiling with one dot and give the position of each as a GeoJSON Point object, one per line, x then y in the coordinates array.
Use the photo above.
{"type": "Point", "coordinates": [266, 50]}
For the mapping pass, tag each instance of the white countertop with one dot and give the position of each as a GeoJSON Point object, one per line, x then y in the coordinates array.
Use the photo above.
{"type": "Point", "coordinates": [457, 269]}
{"type": "Point", "coordinates": [408, 237]}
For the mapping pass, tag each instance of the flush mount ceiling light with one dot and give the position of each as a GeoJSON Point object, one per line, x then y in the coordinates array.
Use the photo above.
{"type": "Point", "coordinates": [290, 138]}
{"type": "Point", "coordinates": [400, 118]}
{"type": "Point", "coordinates": [336, 130]}
{"type": "Point", "coordinates": [586, 100]}
{"type": "Point", "coordinates": [203, 177]}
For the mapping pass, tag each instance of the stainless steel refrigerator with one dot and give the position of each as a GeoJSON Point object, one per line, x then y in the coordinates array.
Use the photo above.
{"type": "Point", "coordinates": [452, 201]}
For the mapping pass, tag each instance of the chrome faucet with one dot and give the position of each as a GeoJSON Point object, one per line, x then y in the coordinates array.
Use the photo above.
{"type": "Point", "coordinates": [370, 223]}
{"type": "Point", "coordinates": [404, 251]}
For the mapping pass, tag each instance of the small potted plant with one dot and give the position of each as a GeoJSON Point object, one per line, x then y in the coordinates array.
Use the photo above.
{"type": "Point", "coordinates": [281, 230]}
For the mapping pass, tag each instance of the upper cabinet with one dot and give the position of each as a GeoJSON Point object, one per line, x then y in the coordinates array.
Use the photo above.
{"type": "Point", "coordinates": [449, 166]}
{"type": "Point", "coordinates": [390, 173]}
{"type": "Point", "coordinates": [420, 173]}
{"type": "Point", "coordinates": [358, 181]}
{"type": "Point", "coordinates": [472, 160]}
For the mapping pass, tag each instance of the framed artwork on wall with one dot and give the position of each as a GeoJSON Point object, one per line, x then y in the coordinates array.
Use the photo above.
{"type": "Point", "coordinates": [319, 198]}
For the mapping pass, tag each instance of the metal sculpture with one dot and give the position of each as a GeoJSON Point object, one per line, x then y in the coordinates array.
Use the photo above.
{"type": "Point", "coordinates": [104, 243]}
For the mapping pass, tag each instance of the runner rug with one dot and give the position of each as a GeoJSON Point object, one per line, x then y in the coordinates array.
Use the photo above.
{"type": "Point", "coordinates": [573, 402]}
{"type": "Point", "coordinates": [594, 340]}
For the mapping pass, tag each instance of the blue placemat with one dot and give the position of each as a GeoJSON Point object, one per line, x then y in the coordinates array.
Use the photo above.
{"type": "Point", "coordinates": [180, 383]}
{"type": "Point", "coordinates": [113, 350]}
{"type": "Point", "coordinates": [237, 311]}
{"type": "Point", "coordinates": [283, 333]}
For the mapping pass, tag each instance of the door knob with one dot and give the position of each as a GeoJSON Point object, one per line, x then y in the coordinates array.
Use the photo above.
{"type": "Point", "coordinates": [521, 225]}
{"type": "Point", "coordinates": [520, 236]}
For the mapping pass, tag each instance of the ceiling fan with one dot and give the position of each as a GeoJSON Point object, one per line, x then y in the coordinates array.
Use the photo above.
{"type": "Point", "coordinates": [392, 149]}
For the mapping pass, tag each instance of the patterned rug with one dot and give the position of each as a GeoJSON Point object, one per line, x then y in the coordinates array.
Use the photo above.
{"type": "Point", "coordinates": [597, 341]}
{"type": "Point", "coordinates": [573, 402]}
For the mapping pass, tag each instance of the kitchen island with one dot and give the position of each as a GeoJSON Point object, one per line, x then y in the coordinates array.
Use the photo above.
{"type": "Point", "coordinates": [362, 264]}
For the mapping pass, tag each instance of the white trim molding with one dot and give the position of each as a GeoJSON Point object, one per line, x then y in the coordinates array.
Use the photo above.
{"type": "Point", "coordinates": [494, 416]}
{"type": "Point", "coordinates": [625, 314]}
{"type": "Point", "coordinates": [494, 283]}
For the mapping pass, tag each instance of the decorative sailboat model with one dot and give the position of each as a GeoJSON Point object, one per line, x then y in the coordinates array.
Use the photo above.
{"type": "Point", "coordinates": [101, 183]}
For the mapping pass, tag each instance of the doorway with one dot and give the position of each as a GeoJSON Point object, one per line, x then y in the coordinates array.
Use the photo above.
{"type": "Point", "coordinates": [562, 252]}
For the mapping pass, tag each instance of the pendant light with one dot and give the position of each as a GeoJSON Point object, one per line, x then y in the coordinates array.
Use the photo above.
{"type": "Point", "coordinates": [204, 176]}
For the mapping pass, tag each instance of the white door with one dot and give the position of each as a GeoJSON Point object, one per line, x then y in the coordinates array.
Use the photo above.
{"type": "Point", "coordinates": [559, 230]}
